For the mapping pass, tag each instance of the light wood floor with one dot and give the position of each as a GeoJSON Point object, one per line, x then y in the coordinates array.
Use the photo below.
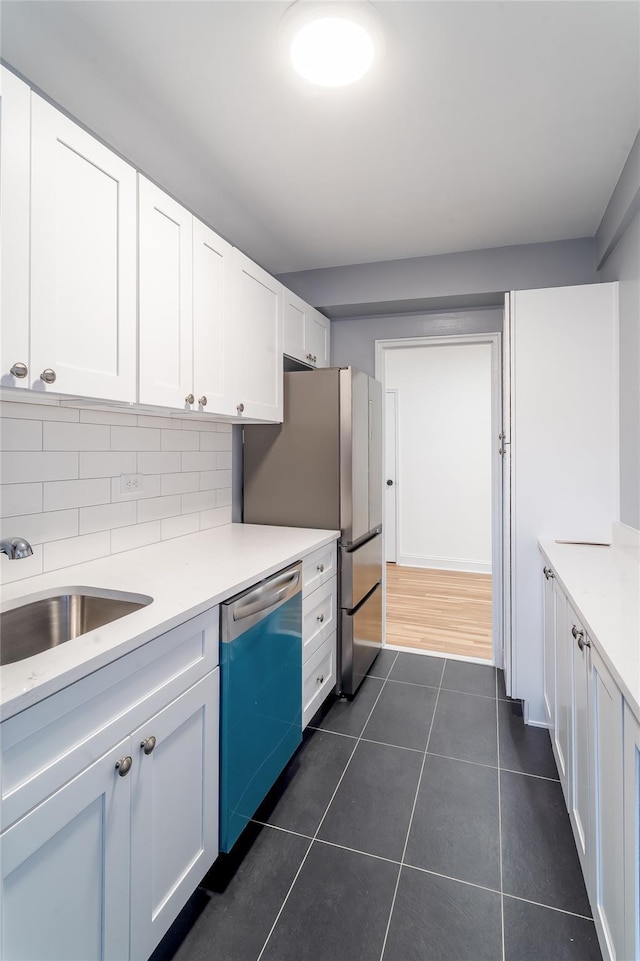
{"type": "Point", "coordinates": [444, 611]}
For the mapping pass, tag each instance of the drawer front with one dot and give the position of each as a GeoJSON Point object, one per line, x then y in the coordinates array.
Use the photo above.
{"type": "Point", "coordinates": [49, 743]}
{"type": "Point", "coordinates": [318, 678]}
{"type": "Point", "coordinates": [319, 617]}
{"type": "Point", "coordinates": [318, 568]}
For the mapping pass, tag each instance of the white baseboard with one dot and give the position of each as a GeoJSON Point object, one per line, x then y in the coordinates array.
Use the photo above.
{"type": "Point", "coordinates": [445, 563]}
{"type": "Point", "coordinates": [626, 539]}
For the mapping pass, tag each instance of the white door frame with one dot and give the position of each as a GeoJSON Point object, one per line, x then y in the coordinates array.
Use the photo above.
{"type": "Point", "coordinates": [495, 342]}
{"type": "Point", "coordinates": [396, 494]}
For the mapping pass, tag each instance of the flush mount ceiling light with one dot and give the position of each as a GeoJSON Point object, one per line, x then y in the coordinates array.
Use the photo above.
{"type": "Point", "coordinates": [332, 44]}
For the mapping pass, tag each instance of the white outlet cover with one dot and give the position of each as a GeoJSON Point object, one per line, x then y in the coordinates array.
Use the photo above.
{"type": "Point", "coordinates": [130, 483]}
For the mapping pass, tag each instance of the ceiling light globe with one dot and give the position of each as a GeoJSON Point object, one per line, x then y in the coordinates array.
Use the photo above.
{"type": "Point", "coordinates": [332, 51]}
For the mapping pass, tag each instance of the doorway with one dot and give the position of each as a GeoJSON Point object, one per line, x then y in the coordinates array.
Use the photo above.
{"type": "Point", "coordinates": [442, 495]}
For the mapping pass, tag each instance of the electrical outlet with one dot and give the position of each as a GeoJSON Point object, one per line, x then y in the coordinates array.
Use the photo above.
{"type": "Point", "coordinates": [130, 483]}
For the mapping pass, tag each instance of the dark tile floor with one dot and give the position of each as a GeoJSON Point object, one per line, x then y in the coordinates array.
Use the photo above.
{"type": "Point", "coordinates": [421, 822]}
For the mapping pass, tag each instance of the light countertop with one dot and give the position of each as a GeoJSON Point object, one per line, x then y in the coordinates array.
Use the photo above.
{"type": "Point", "coordinates": [603, 584]}
{"type": "Point", "coordinates": [185, 576]}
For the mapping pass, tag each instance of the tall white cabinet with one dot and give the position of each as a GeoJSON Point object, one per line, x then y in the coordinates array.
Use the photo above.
{"type": "Point", "coordinates": [562, 440]}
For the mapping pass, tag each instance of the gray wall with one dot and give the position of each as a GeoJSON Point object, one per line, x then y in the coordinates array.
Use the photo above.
{"type": "Point", "coordinates": [618, 242]}
{"type": "Point", "coordinates": [353, 341]}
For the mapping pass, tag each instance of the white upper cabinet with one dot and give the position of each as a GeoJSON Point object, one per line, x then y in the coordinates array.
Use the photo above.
{"type": "Point", "coordinates": [83, 261]}
{"type": "Point", "coordinates": [306, 332]}
{"type": "Point", "coordinates": [255, 341]}
{"type": "Point", "coordinates": [166, 299]}
{"type": "Point", "coordinates": [211, 307]}
{"type": "Point", "coordinates": [15, 145]}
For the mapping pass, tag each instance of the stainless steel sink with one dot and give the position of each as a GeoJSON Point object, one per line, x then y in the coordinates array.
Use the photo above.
{"type": "Point", "coordinates": [44, 622]}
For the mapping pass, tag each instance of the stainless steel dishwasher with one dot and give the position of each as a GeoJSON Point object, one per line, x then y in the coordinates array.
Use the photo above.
{"type": "Point", "coordinates": [261, 694]}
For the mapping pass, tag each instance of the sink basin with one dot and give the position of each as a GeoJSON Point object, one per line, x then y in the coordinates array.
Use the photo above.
{"type": "Point", "coordinates": [44, 622]}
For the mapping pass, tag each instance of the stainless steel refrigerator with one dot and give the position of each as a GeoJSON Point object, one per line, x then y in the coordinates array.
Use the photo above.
{"type": "Point", "coordinates": [322, 467]}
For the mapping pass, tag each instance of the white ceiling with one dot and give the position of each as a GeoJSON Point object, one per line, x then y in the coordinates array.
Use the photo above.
{"type": "Point", "coordinates": [487, 124]}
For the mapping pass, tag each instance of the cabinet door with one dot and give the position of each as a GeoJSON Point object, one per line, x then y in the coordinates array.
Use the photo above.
{"type": "Point", "coordinates": [295, 327]}
{"type": "Point", "coordinates": [607, 857]}
{"type": "Point", "coordinates": [580, 773]}
{"type": "Point", "coordinates": [166, 314]}
{"type": "Point", "coordinates": [83, 261]}
{"type": "Point", "coordinates": [65, 871]}
{"type": "Point", "coordinates": [549, 647]}
{"type": "Point", "coordinates": [211, 301]}
{"type": "Point", "coordinates": [15, 144]}
{"type": "Point", "coordinates": [174, 816]}
{"type": "Point", "coordinates": [631, 834]}
{"type": "Point", "coordinates": [561, 728]}
{"type": "Point", "coordinates": [317, 341]}
{"type": "Point", "coordinates": [256, 341]}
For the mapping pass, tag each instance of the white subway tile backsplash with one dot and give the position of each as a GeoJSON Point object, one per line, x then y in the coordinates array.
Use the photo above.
{"type": "Point", "coordinates": [215, 441]}
{"type": "Point", "coordinates": [59, 436]}
{"type": "Point", "coordinates": [223, 497]}
{"type": "Point", "coordinates": [150, 488]}
{"type": "Point", "coordinates": [41, 527]}
{"type": "Point", "coordinates": [159, 462]}
{"type": "Point", "coordinates": [200, 501]}
{"type": "Point", "coordinates": [27, 411]}
{"type": "Point", "coordinates": [165, 423]}
{"type": "Point", "coordinates": [181, 439]}
{"type": "Point", "coordinates": [18, 434]}
{"type": "Point", "coordinates": [20, 499]}
{"type": "Point", "coordinates": [138, 535]}
{"type": "Point", "coordinates": [214, 479]}
{"type": "Point", "coordinates": [108, 463]}
{"type": "Point", "coordinates": [76, 550]}
{"type": "Point", "coordinates": [215, 518]}
{"type": "Point", "coordinates": [177, 526]}
{"type": "Point", "coordinates": [29, 466]}
{"type": "Point", "coordinates": [115, 418]}
{"type": "Point", "coordinates": [76, 493]}
{"type": "Point", "coordinates": [156, 508]}
{"type": "Point", "coordinates": [224, 428]}
{"type": "Point", "coordinates": [180, 483]}
{"type": "Point", "coordinates": [223, 460]}
{"type": "Point", "coordinates": [106, 517]}
{"type": "Point", "coordinates": [199, 460]}
{"type": "Point", "coordinates": [135, 438]}
{"type": "Point", "coordinates": [26, 567]}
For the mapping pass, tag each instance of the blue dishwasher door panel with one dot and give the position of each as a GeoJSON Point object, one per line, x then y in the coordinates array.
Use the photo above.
{"type": "Point", "coordinates": [261, 722]}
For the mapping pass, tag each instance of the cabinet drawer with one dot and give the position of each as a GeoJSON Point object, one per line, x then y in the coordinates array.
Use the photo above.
{"type": "Point", "coordinates": [318, 617]}
{"type": "Point", "coordinates": [318, 568]}
{"type": "Point", "coordinates": [318, 678]}
{"type": "Point", "coordinates": [49, 743]}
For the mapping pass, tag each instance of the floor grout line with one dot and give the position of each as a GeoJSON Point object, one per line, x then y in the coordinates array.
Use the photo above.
{"type": "Point", "coordinates": [346, 767]}
{"type": "Point", "coordinates": [500, 824]}
{"type": "Point", "coordinates": [551, 907]}
{"type": "Point", "coordinates": [415, 801]}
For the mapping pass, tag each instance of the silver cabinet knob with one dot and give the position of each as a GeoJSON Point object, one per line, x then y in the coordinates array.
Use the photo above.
{"type": "Point", "coordinates": [202, 400]}
{"type": "Point", "coordinates": [240, 408]}
{"type": "Point", "coordinates": [315, 359]}
{"type": "Point", "coordinates": [148, 744]}
{"type": "Point", "coordinates": [320, 568]}
{"type": "Point", "coordinates": [320, 678]}
{"type": "Point", "coordinates": [189, 399]}
{"type": "Point", "coordinates": [320, 618]}
{"type": "Point", "coordinates": [580, 638]}
{"type": "Point", "coordinates": [123, 766]}
{"type": "Point", "coordinates": [48, 376]}
{"type": "Point", "coordinates": [548, 572]}
{"type": "Point", "coordinates": [19, 370]}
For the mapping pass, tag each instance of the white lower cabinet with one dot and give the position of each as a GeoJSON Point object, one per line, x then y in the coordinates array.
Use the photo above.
{"type": "Point", "coordinates": [100, 853]}
{"type": "Point", "coordinates": [631, 834]}
{"type": "Point", "coordinates": [318, 678]}
{"type": "Point", "coordinates": [576, 642]}
{"type": "Point", "coordinates": [319, 624]}
{"type": "Point", "coordinates": [561, 730]}
{"type": "Point", "coordinates": [549, 606]}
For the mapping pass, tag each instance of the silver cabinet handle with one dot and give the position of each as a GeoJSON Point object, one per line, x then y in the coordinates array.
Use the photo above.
{"type": "Point", "coordinates": [320, 618]}
{"type": "Point", "coordinates": [320, 568]}
{"type": "Point", "coordinates": [240, 408]}
{"type": "Point", "coordinates": [48, 376]}
{"type": "Point", "coordinates": [123, 766]}
{"type": "Point", "coordinates": [202, 400]}
{"type": "Point", "coordinates": [148, 744]}
{"type": "Point", "coordinates": [189, 399]}
{"type": "Point", "coordinates": [19, 370]}
{"type": "Point", "coordinates": [548, 572]}
{"type": "Point", "coordinates": [580, 638]}
{"type": "Point", "coordinates": [320, 679]}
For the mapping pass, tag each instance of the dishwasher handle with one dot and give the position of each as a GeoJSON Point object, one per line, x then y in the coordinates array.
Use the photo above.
{"type": "Point", "coordinates": [268, 595]}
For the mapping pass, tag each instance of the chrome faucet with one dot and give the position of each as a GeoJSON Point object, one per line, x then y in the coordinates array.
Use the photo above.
{"type": "Point", "coordinates": [15, 548]}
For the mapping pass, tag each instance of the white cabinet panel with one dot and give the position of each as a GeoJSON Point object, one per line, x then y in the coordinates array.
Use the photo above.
{"type": "Point", "coordinates": [318, 678]}
{"type": "Point", "coordinates": [256, 341]}
{"type": "Point", "coordinates": [549, 648]}
{"type": "Point", "coordinates": [319, 617]}
{"type": "Point", "coordinates": [83, 261]}
{"type": "Point", "coordinates": [575, 638]}
{"type": "Point", "coordinates": [211, 306]}
{"type": "Point", "coordinates": [562, 726]}
{"type": "Point", "coordinates": [166, 299]}
{"type": "Point", "coordinates": [632, 834]}
{"type": "Point", "coordinates": [174, 826]}
{"type": "Point", "coordinates": [318, 338]}
{"type": "Point", "coordinates": [15, 145]}
{"type": "Point", "coordinates": [295, 336]}
{"type": "Point", "coordinates": [65, 871]}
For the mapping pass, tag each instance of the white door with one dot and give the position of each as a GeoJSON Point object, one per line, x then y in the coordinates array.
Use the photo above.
{"type": "Point", "coordinates": [580, 773]}
{"type": "Point", "coordinates": [83, 262]}
{"type": "Point", "coordinates": [211, 302]}
{"type": "Point", "coordinates": [165, 295]}
{"type": "Point", "coordinates": [391, 474]}
{"type": "Point", "coordinates": [174, 815]}
{"type": "Point", "coordinates": [632, 833]}
{"type": "Point", "coordinates": [505, 448]}
{"type": "Point", "coordinates": [318, 327]}
{"type": "Point", "coordinates": [65, 871]}
{"type": "Point", "coordinates": [255, 334]}
{"type": "Point", "coordinates": [15, 134]}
